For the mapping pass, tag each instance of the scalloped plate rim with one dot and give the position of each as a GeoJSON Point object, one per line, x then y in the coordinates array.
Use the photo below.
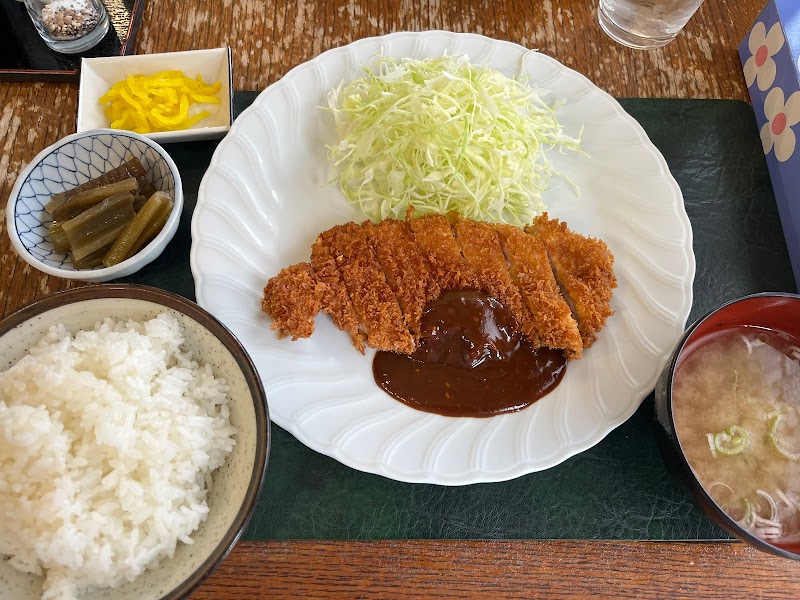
{"type": "Point", "coordinates": [519, 468]}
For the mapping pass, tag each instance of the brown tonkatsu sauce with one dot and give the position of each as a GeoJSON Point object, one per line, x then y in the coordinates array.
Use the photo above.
{"type": "Point", "coordinates": [470, 362]}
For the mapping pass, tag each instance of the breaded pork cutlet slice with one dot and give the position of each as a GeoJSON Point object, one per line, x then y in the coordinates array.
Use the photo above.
{"type": "Point", "coordinates": [335, 299]}
{"type": "Point", "coordinates": [436, 240]}
{"type": "Point", "coordinates": [482, 250]}
{"type": "Point", "coordinates": [583, 267]}
{"type": "Point", "coordinates": [405, 267]}
{"type": "Point", "coordinates": [375, 303]}
{"type": "Point", "coordinates": [293, 298]}
{"type": "Point", "coordinates": [530, 270]}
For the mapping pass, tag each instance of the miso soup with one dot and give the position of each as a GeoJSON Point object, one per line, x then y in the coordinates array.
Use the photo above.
{"type": "Point", "coordinates": [736, 405]}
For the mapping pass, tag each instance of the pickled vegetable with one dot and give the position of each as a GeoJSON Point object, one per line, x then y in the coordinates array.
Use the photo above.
{"type": "Point", "coordinates": [155, 226]}
{"type": "Point", "coordinates": [133, 168]}
{"type": "Point", "coordinates": [124, 244]}
{"type": "Point", "coordinates": [58, 237]}
{"type": "Point", "coordinates": [78, 203]}
{"type": "Point", "coordinates": [138, 202]}
{"type": "Point", "coordinates": [99, 225]}
{"type": "Point", "coordinates": [120, 210]}
{"type": "Point", "coordinates": [160, 102]}
{"type": "Point", "coordinates": [99, 241]}
{"type": "Point", "coordinates": [92, 260]}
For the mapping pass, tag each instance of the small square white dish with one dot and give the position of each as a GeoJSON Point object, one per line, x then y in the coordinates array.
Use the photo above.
{"type": "Point", "coordinates": [214, 64]}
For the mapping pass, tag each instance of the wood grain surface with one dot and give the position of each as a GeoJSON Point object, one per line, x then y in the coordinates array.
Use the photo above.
{"type": "Point", "coordinates": [500, 569]}
{"type": "Point", "coordinates": [270, 37]}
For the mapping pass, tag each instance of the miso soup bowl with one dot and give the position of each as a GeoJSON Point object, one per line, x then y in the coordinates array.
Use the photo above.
{"type": "Point", "coordinates": [779, 312]}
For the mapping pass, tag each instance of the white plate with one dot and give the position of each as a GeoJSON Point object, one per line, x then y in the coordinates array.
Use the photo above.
{"type": "Point", "coordinates": [264, 199]}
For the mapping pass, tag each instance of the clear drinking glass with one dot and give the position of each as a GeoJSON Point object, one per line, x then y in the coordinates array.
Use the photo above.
{"type": "Point", "coordinates": [645, 23]}
{"type": "Point", "coordinates": [69, 26]}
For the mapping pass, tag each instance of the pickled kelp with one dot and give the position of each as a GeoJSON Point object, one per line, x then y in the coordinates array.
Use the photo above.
{"type": "Point", "coordinates": [108, 219]}
{"type": "Point", "coordinates": [124, 244]}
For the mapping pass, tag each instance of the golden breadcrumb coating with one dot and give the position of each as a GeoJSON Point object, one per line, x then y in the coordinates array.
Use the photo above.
{"type": "Point", "coordinates": [481, 248]}
{"type": "Point", "coordinates": [583, 267]}
{"type": "Point", "coordinates": [335, 300]}
{"type": "Point", "coordinates": [405, 267]}
{"type": "Point", "coordinates": [530, 270]}
{"type": "Point", "coordinates": [375, 280]}
{"type": "Point", "coordinates": [293, 298]}
{"type": "Point", "coordinates": [436, 240]}
{"type": "Point", "coordinates": [375, 303]}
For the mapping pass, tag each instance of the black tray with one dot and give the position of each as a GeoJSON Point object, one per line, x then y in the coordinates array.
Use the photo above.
{"type": "Point", "coordinates": [25, 57]}
{"type": "Point", "coordinates": [620, 488]}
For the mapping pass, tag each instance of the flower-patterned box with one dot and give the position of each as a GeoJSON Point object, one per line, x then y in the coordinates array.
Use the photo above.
{"type": "Point", "coordinates": [770, 57]}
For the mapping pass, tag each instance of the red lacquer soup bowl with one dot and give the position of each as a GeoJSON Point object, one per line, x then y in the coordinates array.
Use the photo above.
{"type": "Point", "coordinates": [777, 312]}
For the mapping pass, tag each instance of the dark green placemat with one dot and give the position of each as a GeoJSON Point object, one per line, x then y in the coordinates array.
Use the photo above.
{"type": "Point", "coordinates": [619, 489]}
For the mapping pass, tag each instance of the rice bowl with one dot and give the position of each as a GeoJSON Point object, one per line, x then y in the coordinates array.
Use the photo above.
{"type": "Point", "coordinates": [96, 541]}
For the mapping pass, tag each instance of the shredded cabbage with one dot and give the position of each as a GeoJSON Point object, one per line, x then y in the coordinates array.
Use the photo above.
{"type": "Point", "coordinates": [443, 135]}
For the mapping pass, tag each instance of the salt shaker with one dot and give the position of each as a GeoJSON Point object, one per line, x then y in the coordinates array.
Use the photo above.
{"type": "Point", "coordinates": [69, 26]}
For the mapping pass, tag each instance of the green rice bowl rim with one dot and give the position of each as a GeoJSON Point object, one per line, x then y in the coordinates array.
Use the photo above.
{"type": "Point", "coordinates": [243, 360]}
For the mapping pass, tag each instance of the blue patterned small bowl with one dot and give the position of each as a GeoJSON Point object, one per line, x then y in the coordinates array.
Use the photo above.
{"type": "Point", "coordinates": [71, 162]}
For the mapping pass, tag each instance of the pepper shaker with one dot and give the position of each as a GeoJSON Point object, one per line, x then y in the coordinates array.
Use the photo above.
{"type": "Point", "coordinates": [69, 26]}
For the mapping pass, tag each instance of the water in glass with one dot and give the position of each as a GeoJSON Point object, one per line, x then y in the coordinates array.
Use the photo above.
{"type": "Point", "coordinates": [645, 23]}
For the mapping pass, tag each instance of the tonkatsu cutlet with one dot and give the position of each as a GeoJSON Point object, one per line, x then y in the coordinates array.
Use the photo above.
{"type": "Point", "coordinates": [583, 267]}
{"type": "Point", "coordinates": [375, 303]}
{"type": "Point", "coordinates": [405, 267]}
{"type": "Point", "coordinates": [554, 326]}
{"type": "Point", "coordinates": [436, 240]}
{"type": "Point", "coordinates": [375, 280]}
{"type": "Point", "coordinates": [481, 248]}
{"type": "Point", "coordinates": [335, 299]}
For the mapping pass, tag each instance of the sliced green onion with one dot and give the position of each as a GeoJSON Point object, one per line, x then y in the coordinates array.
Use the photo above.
{"type": "Point", "coordinates": [754, 344]}
{"type": "Point", "coordinates": [731, 441]}
{"type": "Point", "coordinates": [717, 497]}
{"type": "Point", "coordinates": [773, 437]}
{"type": "Point", "coordinates": [786, 500]}
{"type": "Point", "coordinates": [710, 438]}
{"type": "Point", "coordinates": [441, 135]}
{"type": "Point", "coordinates": [721, 484]}
{"type": "Point", "coordinates": [747, 520]}
{"type": "Point", "coordinates": [773, 506]}
{"type": "Point", "coordinates": [762, 522]}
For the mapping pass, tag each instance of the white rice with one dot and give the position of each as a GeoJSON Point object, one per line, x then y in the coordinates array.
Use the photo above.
{"type": "Point", "coordinates": [107, 442]}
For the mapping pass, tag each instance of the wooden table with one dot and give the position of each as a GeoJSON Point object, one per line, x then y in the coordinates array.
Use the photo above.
{"type": "Point", "coordinates": [270, 37]}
